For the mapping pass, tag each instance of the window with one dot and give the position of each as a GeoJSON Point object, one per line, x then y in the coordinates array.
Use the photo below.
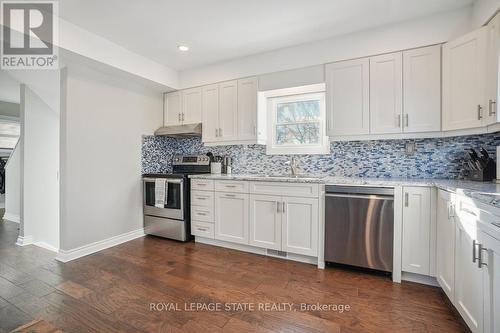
{"type": "Point", "coordinates": [296, 120]}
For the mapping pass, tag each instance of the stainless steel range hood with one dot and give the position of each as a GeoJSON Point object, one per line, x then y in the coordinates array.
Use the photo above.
{"type": "Point", "coordinates": [180, 131]}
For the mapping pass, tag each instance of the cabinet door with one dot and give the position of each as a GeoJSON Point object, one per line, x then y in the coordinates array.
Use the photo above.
{"type": "Point", "coordinates": [464, 62]}
{"type": "Point", "coordinates": [172, 112]}
{"type": "Point", "coordinates": [416, 230]}
{"type": "Point", "coordinates": [347, 92]}
{"type": "Point", "coordinates": [247, 109]}
{"type": "Point", "coordinates": [445, 249]}
{"type": "Point", "coordinates": [265, 221]}
{"type": "Point", "coordinates": [491, 281]}
{"type": "Point", "coordinates": [300, 225]}
{"type": "Point", "coordinates": [231, 217]}
{"type": "Point", "coordinates": [228, 111]}
{"type": "Point", "coordinates": [491, 115]}
{"type": "Point", "coordinates": [386, 93]}
{"type": "Point", "coordinates": [210, 113]}
{"type": "Point", "coordinates": [468, 280]}
{"type": "Point", "coordinates": [422, 89]}
{"type": "Point", "coordinates": [191, 106]}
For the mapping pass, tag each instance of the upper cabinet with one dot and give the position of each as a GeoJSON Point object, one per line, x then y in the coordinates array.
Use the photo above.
{"type": "Point", "coordinates": [464, 71]}
{"type": "Point", "coordinates": [172, 109]}
{"type": "Point", "coordinates": [247, 108]}
{"type": "Point", "coordinates": [493, 28]}
{"type": "Point", "coordinates": [422, 89]}
{"type": "Point", "coordinates": [182, 107]}
{"type": "Point", "coordinates": [230, 112]}
{"type": "Point", "coordinates": [191, 106]}
{"type": "Point", "coordinates": [386, 92]}
{"type": "Point", "coordinates": [348, 93]}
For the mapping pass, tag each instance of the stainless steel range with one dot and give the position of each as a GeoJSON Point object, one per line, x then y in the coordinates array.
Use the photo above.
{"type": "Point", "coordinates": [166, 198]}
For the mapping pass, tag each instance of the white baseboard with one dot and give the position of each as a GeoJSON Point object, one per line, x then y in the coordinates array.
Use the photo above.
{"type": "Point", "coordinates": [24, 240]}
{"type": "Point", "coordinates": [422, 279]}
{"type": "Point", "coordinates": [46, 246]}
{"type": "Point", "coordinates": [256, 250]}
{"type": "Point", "coordinates": [11, 217]}
{"type": "Point", "coordinates": [68, 255]}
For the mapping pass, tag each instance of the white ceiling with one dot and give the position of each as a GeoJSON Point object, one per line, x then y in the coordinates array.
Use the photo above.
{"type": "Point", "coordinates": [221, 30]}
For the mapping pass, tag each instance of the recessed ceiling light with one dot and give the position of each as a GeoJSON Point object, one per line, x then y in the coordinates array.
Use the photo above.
{"type": "Point", "coordinates": [183, 48]}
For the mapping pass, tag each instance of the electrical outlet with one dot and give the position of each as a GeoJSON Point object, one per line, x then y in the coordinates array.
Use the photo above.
{"type": "Point", "coordinates": [410, 147]}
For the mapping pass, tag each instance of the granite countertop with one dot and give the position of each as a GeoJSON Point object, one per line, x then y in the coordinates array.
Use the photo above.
{"type": "Point", "coordinates": [487, 192]}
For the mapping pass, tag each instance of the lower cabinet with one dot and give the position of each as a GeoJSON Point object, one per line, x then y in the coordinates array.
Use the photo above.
{"type": "Point", "coordinates": [468, 278]}
{"type": "Point", "coordinates": [445, 243]}
{"type": "Point", "coordinates": [300, 225]}
{"type": "Point", "coordinates": [416, 230]}
{"type": "Point", "coordinates": [490, 265]}
{"type": "Point", "coordinates": [283, 223]}
{"type": "Point", "coordinates": [231, 217]}
{"type": "Point", "coordinates": [265, 221]}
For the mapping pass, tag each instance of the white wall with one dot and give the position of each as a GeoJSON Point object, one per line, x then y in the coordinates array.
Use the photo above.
{"type": "Point", "coordinates": [483, 10]}
{"type": "Point", "coordinates": [40, 169]}
{"type": "Point", "coordinates": [13, 186]}
{"type": "Point", "coordinates": [430, 30]}
{"type": "Point", "coordinates": [102, 123]}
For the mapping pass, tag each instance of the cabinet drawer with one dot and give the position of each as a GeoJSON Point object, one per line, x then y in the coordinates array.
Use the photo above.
{"type": "Point", "coordinates": [202, 199]}
{"type": "Point", "coordinates": [205, 214]}
{"type": "Point", "coordinates": [202, 229]}
{"type": "Point", "coordinates": [202, 184]}
{"type": "Point", "coordinates": [288, 189]}
{"type": "Point", "coordinates": [231, 186]}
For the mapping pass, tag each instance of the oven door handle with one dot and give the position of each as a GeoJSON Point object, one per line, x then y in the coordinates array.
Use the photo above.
{"type": "Point", "coordinates": [169, 180]}
{"type": "Point", "coordinates": [360, 196]}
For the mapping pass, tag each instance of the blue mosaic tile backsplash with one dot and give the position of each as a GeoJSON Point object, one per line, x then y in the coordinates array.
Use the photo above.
{"type": "Point", "coordinates": [433, 158]}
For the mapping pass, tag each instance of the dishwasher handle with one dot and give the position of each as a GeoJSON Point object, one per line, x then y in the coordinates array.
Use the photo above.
{"type": "Point", "coordinates": [359, 196]}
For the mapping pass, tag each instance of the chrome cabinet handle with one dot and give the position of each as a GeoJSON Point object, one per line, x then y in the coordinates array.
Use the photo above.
{"type": "Point", "coordinates": [468, 211]}
{"type": "Point", "coordinates": [283, 206]}
{"type": "Point", "coordinates": [490, 107]}
{"type": "Point", "coordinates": [474, 245]}
{"type": "Point", "coordinates": [406, 199]}
{"type": "Point", "coordinates": [229, 195]}
{"type": "Point", "coordinates": [479, 112]}
{"type": "Point", "coordinates": [201, 213]}
{"type": "Point", "coordinates": [480, 262]}
{"type": "Point", "coordinates": [230, 186]}
{"type": "Point", "coordinates": [406, 120]}
{"type": "Point", "coordinates": [201, 198]}
{"type": "Point", "coordinates": [183, 116]}
{"type": "Point", "coordinates": [201, 229]}
{"type": "Point", "coordinates": [179, 117]}
{"type": "Point", "coordinates": [451, 209]}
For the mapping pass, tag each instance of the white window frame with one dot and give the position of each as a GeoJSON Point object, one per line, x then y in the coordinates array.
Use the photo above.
{"type": "Point", "coordinates": [269, 99]}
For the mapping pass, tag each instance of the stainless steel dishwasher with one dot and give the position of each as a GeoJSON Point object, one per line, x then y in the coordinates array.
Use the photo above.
{"type": "Point", "coordinates": [359, 226]}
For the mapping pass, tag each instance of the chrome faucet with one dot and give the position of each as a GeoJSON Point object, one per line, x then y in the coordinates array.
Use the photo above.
{"type": "Point", "coordinates": [294, 166]}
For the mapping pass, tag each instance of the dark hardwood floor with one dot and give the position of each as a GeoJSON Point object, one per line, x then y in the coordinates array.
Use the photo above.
{"type": "Point", "coordinates": [112, 291]}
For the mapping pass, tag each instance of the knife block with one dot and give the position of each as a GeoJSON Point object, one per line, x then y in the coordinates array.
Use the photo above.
{"type": "Point", "coordinates": [488, 173]}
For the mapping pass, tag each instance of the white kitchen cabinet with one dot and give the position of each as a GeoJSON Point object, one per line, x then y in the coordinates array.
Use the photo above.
{"type": "Point", "coordinates": [191, 106]}
{"type": "Point", "coordinates": [210, 113]}
{"type": "Point", "coordinates": [348, 93]}
{"type": "Point", "coordinates": [231, 217]}
{"type": "Point", "coordinates": [172, 109]}
{"type": "Point", "coordinates": [386, 93]}
{"type": "Point", "coordinates": [265, 221]}
{"type": "Point", "coordinates": [468, 278]}
{"type": "Point", "coordinates": [491, 281]}
{"type": "Point", "coordinates": [464, 73]}
{"type": "Point", "coordinates": [416, 230]}
{"type": "Point", "coordinates": [493, 28]}
{"type": "Point", "coordinates": [228, 111]}
{"type": "Point", "coordinates": [422, 89]}
{"type": "Point", "coordinates": [300, 225]}
{"type": "Point", "coordinates": [247, 109]}
{"type": "Point", "coordinates": [445, 247]}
